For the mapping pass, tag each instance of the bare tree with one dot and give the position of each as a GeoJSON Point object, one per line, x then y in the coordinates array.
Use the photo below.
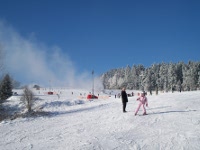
{"type": "Point", "coordinates": [28, 99]}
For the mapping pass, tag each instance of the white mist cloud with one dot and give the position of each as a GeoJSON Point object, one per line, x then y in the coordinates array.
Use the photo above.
{"type": "Point", "coordinates": [29, 61]}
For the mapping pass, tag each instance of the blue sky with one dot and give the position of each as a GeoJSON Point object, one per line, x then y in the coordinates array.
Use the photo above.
{"type": "Point", "coordinates": [102, 35]}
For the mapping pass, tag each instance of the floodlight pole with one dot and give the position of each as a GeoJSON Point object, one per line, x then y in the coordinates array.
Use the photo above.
{"type": "Point", "coordinates": [92, 82]}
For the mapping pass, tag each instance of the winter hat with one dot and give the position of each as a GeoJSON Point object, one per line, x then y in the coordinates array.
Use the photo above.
{"type": "Point", "coordinates": [143, 92]}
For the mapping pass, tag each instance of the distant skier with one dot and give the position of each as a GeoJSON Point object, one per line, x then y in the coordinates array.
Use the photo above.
{"type": "Point", "coordinates": [143, 100]}
{"type": "Point", "coordinates": [124, 99]}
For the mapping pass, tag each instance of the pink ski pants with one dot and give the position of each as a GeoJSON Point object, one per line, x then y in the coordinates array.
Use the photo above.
{"type": "Point", "coordinates": [138, 108]}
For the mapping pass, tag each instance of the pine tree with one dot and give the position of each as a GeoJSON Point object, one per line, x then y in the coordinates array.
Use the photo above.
{"type": "Point", "coordinates": [171, 77]}
{"type": "Point", "coordinates": [163, 78]}
{"type": "Point", "coordinates": [148, 80]}
{"type": "Point", "coordinates": [6, 88]}
{"type": "Point", "coordinates": [134, 77]}
{"type": "Point", "coordinates": [199, 79]}
{"type": "Point", "coordinates": [155, 69]}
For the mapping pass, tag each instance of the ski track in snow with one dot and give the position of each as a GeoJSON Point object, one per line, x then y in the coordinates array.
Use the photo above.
{"type": "Point", "coordinates": [173, 122]}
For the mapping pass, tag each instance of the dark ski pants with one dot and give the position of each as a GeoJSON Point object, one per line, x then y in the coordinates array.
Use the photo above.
{"type": "Point", "coordinates": [124, 107]}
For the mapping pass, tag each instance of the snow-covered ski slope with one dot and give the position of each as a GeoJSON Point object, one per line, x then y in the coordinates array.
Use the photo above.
{"type": "Point", "coordinates": [74, 123]}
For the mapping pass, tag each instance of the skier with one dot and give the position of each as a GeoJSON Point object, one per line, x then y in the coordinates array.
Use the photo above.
{"type": "Point", "coordinates": [143, 100]}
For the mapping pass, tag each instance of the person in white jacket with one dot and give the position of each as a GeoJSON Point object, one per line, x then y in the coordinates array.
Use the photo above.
{"type": "Point", "coordinates": [142, 102]}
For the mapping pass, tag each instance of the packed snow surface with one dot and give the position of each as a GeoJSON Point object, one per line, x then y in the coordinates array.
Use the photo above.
{"type": "Point", "coordinates": [72, 122]}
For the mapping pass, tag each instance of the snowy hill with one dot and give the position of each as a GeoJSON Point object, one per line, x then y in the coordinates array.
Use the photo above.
{"type": "Point", "coordinates": [173, 122]}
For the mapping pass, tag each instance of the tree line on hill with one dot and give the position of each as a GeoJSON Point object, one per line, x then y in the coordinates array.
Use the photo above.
{"type": "Point", "coordinates": [158, 77]}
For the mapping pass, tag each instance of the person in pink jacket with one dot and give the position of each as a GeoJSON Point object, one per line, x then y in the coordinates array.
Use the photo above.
{"type": "Point", "coordinates": [142, 102]}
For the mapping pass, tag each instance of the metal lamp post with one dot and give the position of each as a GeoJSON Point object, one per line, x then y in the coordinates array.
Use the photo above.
{"type": "Point", "coordinates": [92, 82]}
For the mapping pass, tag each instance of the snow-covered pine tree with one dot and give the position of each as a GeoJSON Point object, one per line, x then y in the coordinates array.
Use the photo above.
{"type": "Point", "coordinates": [128, 79]}
{"type": "Point", "coordinates": [5, 88]}
{"type": "Point", "coordinates": [190, 76]}
{"type": "Point", "coordinates": [147, 80]}
{"type": "Point", "coordinates": [120, 74]}
{"type": "Point", "coordinates": [171, 77]}
{"type": "Point", "coordinates": [194, 69]}
{"type": "Point", "coordinates": [155, 68]}
{"type": "Point", "coordinates": [186, 77]}
{"type": "Point", "coordinates": [141, 76]}
{"type": "Point", "coordinates": [179, 76]}
{"type": "Point", "coordinates": [199, 80]}
{"type": "Point", "coordinates": [163, 80]}
{"type": "Point", "coordinates": [134, 77]}
{"type": "Point", "coordinates": [198, 75]}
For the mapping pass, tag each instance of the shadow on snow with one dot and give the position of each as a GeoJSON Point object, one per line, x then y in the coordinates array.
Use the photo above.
{"type": "Point", "coordinates": [175, 111]}
{"type": "Point", "coordinates": [57, 113]}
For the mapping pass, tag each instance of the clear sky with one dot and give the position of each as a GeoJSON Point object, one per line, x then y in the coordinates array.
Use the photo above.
{"type": "Point", "coordinates": [107, 34]}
